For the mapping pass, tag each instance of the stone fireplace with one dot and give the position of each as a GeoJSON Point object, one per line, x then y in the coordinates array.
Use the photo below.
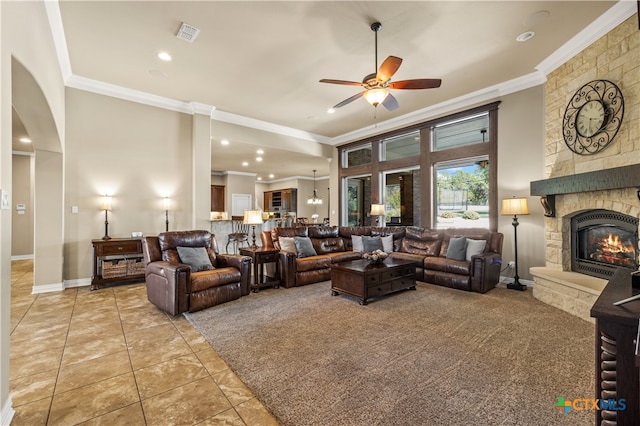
{"type": "Point", "coordinates": [582, 210]}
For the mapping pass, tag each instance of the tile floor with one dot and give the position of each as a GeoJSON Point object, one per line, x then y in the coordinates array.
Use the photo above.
{"type": "Point", "coordinates": [110, 357]}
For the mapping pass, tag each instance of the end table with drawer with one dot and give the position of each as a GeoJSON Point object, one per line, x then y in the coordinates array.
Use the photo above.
{"type": "Point", "coordinates": [260, 256]}
{"type": "Point", "coordinates": [117, 260]}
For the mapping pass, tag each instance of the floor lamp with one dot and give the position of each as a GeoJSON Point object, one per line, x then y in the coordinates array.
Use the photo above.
{"type": "Point", "coordinates": [515, 206]}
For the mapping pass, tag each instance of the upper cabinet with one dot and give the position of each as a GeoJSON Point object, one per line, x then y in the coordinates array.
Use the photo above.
{"type": "Point", "coordinates": [282, 200]}
{"type": "Point", "coordinates": [217, 198]}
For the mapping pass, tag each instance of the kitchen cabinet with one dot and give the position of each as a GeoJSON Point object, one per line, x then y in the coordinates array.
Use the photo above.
{"type": "Point", "coordinates": [282, 200]}
{"type": "Point", "coordinates": [217, 198]}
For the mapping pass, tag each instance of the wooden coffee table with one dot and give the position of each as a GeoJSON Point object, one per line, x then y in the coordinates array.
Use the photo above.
{"type": "Point", "coordinates": [360, 279]}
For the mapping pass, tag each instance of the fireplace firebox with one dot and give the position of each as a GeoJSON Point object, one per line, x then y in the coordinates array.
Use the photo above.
{"type": "Point", "coordinates": [603, 241]}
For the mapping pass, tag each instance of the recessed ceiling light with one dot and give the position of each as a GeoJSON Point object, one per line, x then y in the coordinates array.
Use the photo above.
{"type": "Point", "coordinates": [25, 140]}
{"type": "Point", "coordinates": [525, 36]}
{"type": "Point", "coordinates": [258, 158]}
{"type": "Point", "coordinates": [245, 163]}
{"type": "Point", "coordinates": [271, 176]}
{"type": "Point", "coordinates": [260, 152]}
{"type": "Point", "coordinates": [224, 142]}
{"type": "Point", "coordinates": [331, 111]}
{"type": "Point", "coordinates": [164, 56]}
{"type": "Point", "coordinates": [259, 178]}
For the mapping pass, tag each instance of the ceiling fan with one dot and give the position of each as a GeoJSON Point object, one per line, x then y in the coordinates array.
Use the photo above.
{"type": "Point", "coordinates": [377, 84]}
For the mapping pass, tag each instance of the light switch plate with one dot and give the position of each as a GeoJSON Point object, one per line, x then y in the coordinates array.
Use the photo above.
{"type": "Point", "coordinates": [4, 200]}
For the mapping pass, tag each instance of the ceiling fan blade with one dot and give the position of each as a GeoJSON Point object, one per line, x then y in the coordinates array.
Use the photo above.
{"type": "Point", "coordinates": [349, 100]}
{"type": "Point", "coordinates": [390, 102]}
{"type": "Point", "coordinates": [388, 68]}
{"type": "Point", "coordinates": [346, 83]}
{"type": "Point", "coordinates": [418, 83]}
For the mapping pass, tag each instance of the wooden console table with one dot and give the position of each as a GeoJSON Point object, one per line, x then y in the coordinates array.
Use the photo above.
{"type": "Point", "coordinates": [617, 373]}
{"type": "Point", "coordinates": [116, 260]}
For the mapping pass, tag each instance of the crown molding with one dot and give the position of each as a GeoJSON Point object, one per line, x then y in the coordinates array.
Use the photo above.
{"type": "Point", "coordinates": [613, 17]}
{"type": "Point", "coordinates": [240, 120]}
{"type": "Point", "coordinates": [461, 102]}
{"type": "Point", "coordinates": [618, 13]}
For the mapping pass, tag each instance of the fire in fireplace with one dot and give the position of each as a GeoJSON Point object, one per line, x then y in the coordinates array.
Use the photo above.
{"type": "Point", "coordinates": [602, 241]}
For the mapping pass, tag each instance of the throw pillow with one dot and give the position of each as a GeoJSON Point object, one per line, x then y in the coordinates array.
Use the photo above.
{"type": "Point", "coordinates": [370, 244]}
{"type": "Point", "coordinates": [304, 246]}
{"type": "Point", "coordinates": [287, 244]}
{"type": "Point", "coordinates": [356, 242]}
{"type": "Point", "coordinates": [475, 247]}
{"type": "Point", "coordinates": [196, 257]}
{"type": "Point", "coordinates": [457, 248]}
{"type": "Point", "coordinates": [387, 243]}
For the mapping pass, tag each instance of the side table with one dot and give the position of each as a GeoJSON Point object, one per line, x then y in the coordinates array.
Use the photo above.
{"type": "Point", "coordinates": [116, 261]}
{"type": "Point", "coordinates": [260, 256]}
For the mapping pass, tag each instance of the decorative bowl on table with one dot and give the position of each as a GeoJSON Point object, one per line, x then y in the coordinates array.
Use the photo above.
{"type": "Point", "coordinates": [375, 257]}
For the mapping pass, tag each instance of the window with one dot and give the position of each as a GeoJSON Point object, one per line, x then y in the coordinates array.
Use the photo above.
{"type": "Point", "coordinates": [462, 193]}
{"type": "Point", "coordinates": [437, 174]}
{"type": "Point", "coordinates": [403, 146]}
{"type": "Point", "coordinates": [357, 199]}
{"type": "Point", "coordinates": [402, 197]}
{"type": "Point", "coordinates": [466, 131]}
{"type": "Point", "coordinates": [356, 156]}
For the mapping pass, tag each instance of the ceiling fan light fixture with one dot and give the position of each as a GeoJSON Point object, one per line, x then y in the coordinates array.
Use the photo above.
{"type": "Point", "coordinates": [376, 96]}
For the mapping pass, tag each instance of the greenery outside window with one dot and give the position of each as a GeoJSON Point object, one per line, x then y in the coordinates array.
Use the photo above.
{"type": "Point", "coordinates": [462, 193]}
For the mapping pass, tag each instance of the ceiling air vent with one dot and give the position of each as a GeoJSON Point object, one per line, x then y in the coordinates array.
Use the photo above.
{"type": "Point", "coordinates": [188, 32]}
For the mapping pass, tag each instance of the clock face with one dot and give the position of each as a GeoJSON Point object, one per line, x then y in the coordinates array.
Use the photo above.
{"type": "Point", "coordinates": [590, 118]}
{"type": "Point", "coordinates": [593, 117]}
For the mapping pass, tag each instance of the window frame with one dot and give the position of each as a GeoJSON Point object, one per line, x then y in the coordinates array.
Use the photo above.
{"type": "Point", "coordinates": [426, 161]}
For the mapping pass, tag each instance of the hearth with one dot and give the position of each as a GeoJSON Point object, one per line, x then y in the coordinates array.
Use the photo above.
{"type": "Point", "coordinates": [603, 241]}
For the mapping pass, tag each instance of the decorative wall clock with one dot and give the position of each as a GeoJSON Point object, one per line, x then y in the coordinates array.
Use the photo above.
{"type": "Point", "coordinates": [593, 117]}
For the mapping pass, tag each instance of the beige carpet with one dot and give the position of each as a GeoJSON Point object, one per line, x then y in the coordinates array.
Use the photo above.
{"type": "Point", "coordinates": [432, 356]}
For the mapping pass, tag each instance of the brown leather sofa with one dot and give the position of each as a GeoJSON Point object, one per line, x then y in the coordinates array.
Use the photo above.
{"type": "Point", "coordinates": [174, 288]}
{"type": "Point", "coordinates": [427, 247]}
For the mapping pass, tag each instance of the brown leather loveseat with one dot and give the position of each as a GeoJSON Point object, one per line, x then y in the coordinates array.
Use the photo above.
{"type": "Point", "coordinates": [175, 288]}
{"type": "Point", "coordinates": [428, 248]}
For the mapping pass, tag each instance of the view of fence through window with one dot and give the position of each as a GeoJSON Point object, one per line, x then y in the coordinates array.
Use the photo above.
{"type": "Point", "coordinates": [462, 194]}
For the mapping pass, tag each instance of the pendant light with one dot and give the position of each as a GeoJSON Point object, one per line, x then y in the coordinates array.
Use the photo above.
{"type": "Point", "coordinates": [314, 199]}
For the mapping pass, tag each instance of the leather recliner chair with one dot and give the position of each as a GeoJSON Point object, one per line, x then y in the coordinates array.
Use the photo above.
{"type": "Point", "coordinates": [174, 288]}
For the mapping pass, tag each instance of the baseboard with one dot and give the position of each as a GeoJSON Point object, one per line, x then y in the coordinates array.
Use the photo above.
{"type": "Point", "coordinates": [23, 257]}
{"type": "Point", "coordinates": [81, 282]}
{"type": "Point", "coordinates": [7, 413]}
{"type": "Point", "coordinates": [47, 288]}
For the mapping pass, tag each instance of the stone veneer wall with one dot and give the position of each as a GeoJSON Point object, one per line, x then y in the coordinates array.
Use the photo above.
{"type": "Point", "coordinates": [614, 57]}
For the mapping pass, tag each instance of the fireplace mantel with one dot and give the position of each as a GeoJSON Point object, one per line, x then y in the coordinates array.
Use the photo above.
{"type": "Point", "coordinates": [616, 178]}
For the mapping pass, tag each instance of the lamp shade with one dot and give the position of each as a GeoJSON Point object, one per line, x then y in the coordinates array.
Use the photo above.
{"type": "Point", "coordinates": [252, 217]}
{"type": "Point", "coordinates": [515, 206]}
{"type": "Point", "coordinates": [166, 203]}
{"type": "Point", "coordinates": [106, 203]}
{"type": "Point", "coordinates": [377, 210]}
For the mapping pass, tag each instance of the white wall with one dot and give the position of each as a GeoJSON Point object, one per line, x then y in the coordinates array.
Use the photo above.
{"type": "Point", "coordinates": [520, 161]}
